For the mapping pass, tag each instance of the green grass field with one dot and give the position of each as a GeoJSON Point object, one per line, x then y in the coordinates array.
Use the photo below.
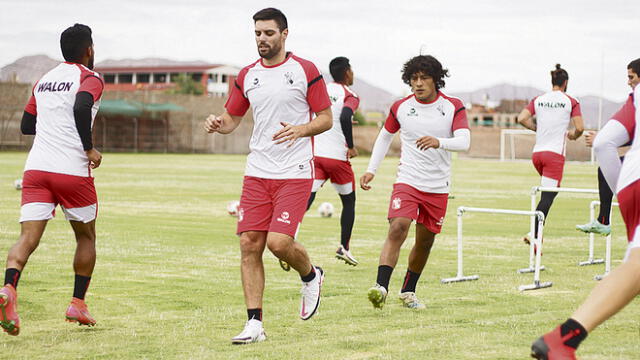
{"type": "Point", "coordinates": [167, 280]}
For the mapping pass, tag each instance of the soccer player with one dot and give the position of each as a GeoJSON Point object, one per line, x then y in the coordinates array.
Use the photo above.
{"type": "Point", "coordinates": [334, 148]}
{"type": "Point", "coordinates": [617, 289]}
{"type": "Point", "coordinates": [283, 90]}
{"type": "Point", "coordinates": [624, 116]}
{"type": "Point", "coordinates": [60, 114]}
{"type": "Point", "coordinates": [431, 126]}
{"type": "Point", "coordinates": [554, 112]}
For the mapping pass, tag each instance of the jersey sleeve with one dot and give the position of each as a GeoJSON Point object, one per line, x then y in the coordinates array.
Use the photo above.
{"type": "Point", "coordinates": [575, 108]}
{"type": "Point", "coordinates": [317, 95]}
{"type": "Point", "coordinates": [459, 116]}
{"type": "Point", "coordinates": [626, 116]}
{"type": "Point", "coordinates": [392, 124]}
{"type": "Point", "coordinates": [31, 106]}
{"type": "Point", "coordinates": [92, 85]}
{"type": "Point", "coordinates": [238, 104]}
{"type": "Point", "coordinates": [532, 106]}
{"type": "Point", "coordinates": [351, 100]}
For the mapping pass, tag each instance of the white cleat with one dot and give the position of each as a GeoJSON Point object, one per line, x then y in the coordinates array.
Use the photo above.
{"type": "Point", "coordinates": [311, 295]}
{"type": "Point", "coordinates": [410, 300]}
{"type": "Point", "coordinates": [253, 332]}
{"type": "Point", "coordinates": [377, 295]}
{"type": "Point", "coordinates": [345, 255]}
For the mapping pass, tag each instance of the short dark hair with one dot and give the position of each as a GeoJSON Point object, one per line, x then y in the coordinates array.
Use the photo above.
{"type": "Point", "coordinates": [559, 76]}
{"type": "Point", "coordinates": [272, 14]}
{"type": "Point", "coordinates": [74, 41]}
{"type": "Point", "coordinates": [338, 68]}
{"type": "Point", "coordinates": [635, 66]}
{"type": "Point", "coordinates": [427, 65]}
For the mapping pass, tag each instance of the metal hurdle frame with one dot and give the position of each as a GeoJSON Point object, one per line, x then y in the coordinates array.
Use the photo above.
{"type": "Point", "coordinates": [536, 277]}
{"type": "Point", "coordinates": [534, 196]}
{"type": "Point", "coordinates": [591, 260]}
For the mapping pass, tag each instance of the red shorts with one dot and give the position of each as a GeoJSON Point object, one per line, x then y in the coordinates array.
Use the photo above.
{"type": "Point", "coordinates": [273, 205]}
{"type": "Point", "coordinates": [426, 208]}
{"type": "Point", "coordinates": [549, 164]}
{"type": "Point", "coordinates": [629, 200]}
{"type": "Point", "coordinates": [340, 173]}
{"type": "Point", "coordinates": [42, 191]}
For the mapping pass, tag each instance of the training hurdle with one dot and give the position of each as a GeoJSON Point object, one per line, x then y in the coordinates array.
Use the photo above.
{"type": "Point", "coordinates": [607, 256]}
{"type": "Point", "coordinates": [536, 277]}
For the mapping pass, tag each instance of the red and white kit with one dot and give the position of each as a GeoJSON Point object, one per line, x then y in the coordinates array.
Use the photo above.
{"type": "Point", "coordinates": [423, 178]}
{"type": "Point", "coordinates": [287, 92]}
{"type": "Point", "coordinates": [57, 168]}
{"type": "Point", "coordinates": [553, 111]}
{"type": "Point", "coordinates": [628, 188]}
{"type": "Point", "coordinates": [330, 147]}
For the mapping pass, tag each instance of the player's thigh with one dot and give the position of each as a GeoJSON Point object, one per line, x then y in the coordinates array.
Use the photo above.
{"type": "Point", "coordinates": [432, 211]}
{"type": "Point", "coordinates": [343, 178]}
{"type": "Point", "coordinates": [629, 200]}
{"type": "Point", "coordinates": [38, 201]}
{"type": "Point", "coordinates": [256, 206]}
{"type": "Point", "coordinates": [404, 202]}
{"type": "Point", "coordinates": [84, 231]}
{"type": "Point", "coordinates": [253, 241]}
{"type": "Point", "coordinates": [289, 205]}
{"type": "Point", "coordinates": [77, 197]}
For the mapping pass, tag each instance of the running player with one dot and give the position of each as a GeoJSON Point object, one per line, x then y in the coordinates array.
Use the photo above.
{"type": "Point", "coordinates": [334, 148]}
{"type": "Point", "coordinates": [621, 286]}
{"type": "Point", "coordinates": [554, 111]}
{"type": "Point", "coordinates": [431, 125]}
{"type": "Point", "coordinates": [282, 90]}
{"type": "Point", "coordinates": [624, 116]}
{"type": "Point", "coordinates": [60, 114]}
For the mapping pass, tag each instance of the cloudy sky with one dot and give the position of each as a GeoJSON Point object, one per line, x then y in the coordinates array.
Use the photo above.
{"type": "Point", "coordinates": [481, 42]}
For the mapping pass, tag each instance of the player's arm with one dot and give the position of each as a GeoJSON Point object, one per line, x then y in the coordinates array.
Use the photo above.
{"type": "Point", "coordinates": [28, 122]}
{"type": "Point", "coordinates": [525, 118]}
{"type": "Point", "coordinates": [347, 129]}
{"type": "Point", "coordinates": [380, 149]}
{"type": "Point", "coordinates": [289, 133]}
{"type": "Point", "coordinates": [578, 128]}
{"type": "Point", "coordinates": [223, 124]}
{"type": "Point", "coordinates": [461, 141]}
{"type": "Point", "coordinates": [605, 146]}
{"type": "Point", "coordinates": [82, 115]}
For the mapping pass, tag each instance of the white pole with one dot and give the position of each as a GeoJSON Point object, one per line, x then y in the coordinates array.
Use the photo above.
{"type": "Point", "coordinates": [532, 232]}
{"type": "Point", "coordinates": [538, 240]}
{"type": "Point", "coordinates": [592, 216]}
{"type": "Point", "coordinates": [460, 272]}
{"type": "Point", "coordinates": [512, 146]}
{"type": "Point", "coordinates": [502, 136]}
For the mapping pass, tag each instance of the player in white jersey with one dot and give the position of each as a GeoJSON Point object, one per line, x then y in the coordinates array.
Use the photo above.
{"type": "Point", "coordinates": [60, 114]}
{"type": "Point", "coordinates": [621, 286]}
{"type": "Point", "coordinates": [283, 91]}
{"type": "Point", "coordinates": [554, 112]}
{"type": "Point", "coordinates": [431, 126]}
{"type": "Point", "coordinates": [333, 149]}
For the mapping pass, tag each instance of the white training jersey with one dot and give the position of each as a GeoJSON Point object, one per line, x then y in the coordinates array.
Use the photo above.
{"type": "Point", "coordinates": [287, 92]}
{"type": "Point", "coordinates": [57, 147]}
{"type": "Point", "coordinates": [426, 170]}
{"type": "Point", "coordinates": [332, 143]}
{"type": "Point", "coordinates": [553, 111]}
{"type": "Point", "coordinates": [630, 171]}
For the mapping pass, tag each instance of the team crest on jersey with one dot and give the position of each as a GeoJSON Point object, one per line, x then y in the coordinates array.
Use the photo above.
{"type": "Point", "coordinates": [284, 217]}
{"type": "Point", "coordinates": [395, 203]}
{"type": "Point", "coordinates": [441, 109]}
{"type": "Point", "coordinates": [333, 99]}
{"type": "Point", "coordinates": [256, 81]}
{"type": "Point", "coordinates": [288, 76]}
{"type": "Point", "coordinates": [412, 112]}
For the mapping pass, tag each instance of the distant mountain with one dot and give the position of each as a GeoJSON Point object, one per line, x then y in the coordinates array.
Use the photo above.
{"type": "Point", "coordinates": [28, 69]}
{"type": "Point", "coordinates": [372, 98]}
{"type": "Point", "coordinates": [148, 62]}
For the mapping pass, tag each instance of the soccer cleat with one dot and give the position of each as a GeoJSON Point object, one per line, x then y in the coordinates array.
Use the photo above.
{"type": "Point", "coordinates": [551, 347]}
{"type": "Point", "coordinates": [78, 312]}
{"type": "Point", "coordinates": [377, 295]}
{"type": "Point", "coordinates": [345, 255]}
{"type": "Point", "coordinates": [410, 300]}
{"type": "Point", "coordinates": [595, 227]}
{"type": "Point", "coordinates": [310, 291]}
{"type": "Point", "coordinates": [284, 265]}
{"type": "Point", "coordinates": [252, 332]}
{"type": "Point", "coordinates": [9, 319]}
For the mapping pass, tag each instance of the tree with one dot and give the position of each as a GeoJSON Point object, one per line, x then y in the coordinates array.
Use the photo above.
{"type": "Point", "coordinates": [186, 85]}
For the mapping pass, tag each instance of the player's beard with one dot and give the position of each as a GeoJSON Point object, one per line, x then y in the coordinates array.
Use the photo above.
{"type": "Point", "coordinates": [272, 50]}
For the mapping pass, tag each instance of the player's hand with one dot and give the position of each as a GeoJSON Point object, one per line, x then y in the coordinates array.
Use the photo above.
{"type": "Point", "coordinates": [351, 153]}
{"type": "Point", "coordinates": [427, 142]}
{"type": "Point", "coordinates": [289, 133]}
{"type": "Point", "coordinates": [213, 123]}
{"type": "Point", "coordinates": [95, 158]}
{"type": "Point", "coordinates": [589, 136]}
{"type": "Point", "coordinates": [365, 180]}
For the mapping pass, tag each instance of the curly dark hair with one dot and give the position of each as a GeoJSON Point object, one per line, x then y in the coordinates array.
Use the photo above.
{"type": "Point", "coordinates": [635, 66]}
{"type": "Point", "coordinates": [425, 64]}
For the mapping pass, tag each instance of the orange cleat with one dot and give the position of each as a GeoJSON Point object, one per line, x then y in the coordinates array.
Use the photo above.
{"type": "Point", "coordinates": [78, 312]}
{"type": "Point", "coordinates": [9, 319]}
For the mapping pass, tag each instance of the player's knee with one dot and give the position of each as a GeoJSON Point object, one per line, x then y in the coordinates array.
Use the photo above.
{"type": "Point", "coordinates": [398, 230]}
{"type": "Point", "coordinates": [249, 245]}
{"type": "Point", "coordinates": [279, 247]}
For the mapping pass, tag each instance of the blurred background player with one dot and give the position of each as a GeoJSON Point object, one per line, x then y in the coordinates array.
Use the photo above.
{"type": "Point", "coordinates": [60, 114]}
{"type": "Point", "coordinates": [624, 116]}
{"type": "Point", "coordinates": [554, 112]}
{"type": "Point", "coordinates": [431, 126]}
{"type": "Point", "coordinates": [334, 148]}
{"type": "Point", "coordinates": [279, 170]}
{"type": "Point", "coordinates": [621, 286]}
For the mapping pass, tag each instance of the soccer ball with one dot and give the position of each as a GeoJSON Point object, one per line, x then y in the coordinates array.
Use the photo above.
{"type": "Point", "coordinates": [232, 207]}
{"type": "Point", "coordinates": [18, 184]}
{"type": "Point", "coordinates": [325, 210]}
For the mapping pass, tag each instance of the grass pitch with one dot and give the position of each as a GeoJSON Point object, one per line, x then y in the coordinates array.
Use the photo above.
{"type": "Point", "coordinates": [167, 279]}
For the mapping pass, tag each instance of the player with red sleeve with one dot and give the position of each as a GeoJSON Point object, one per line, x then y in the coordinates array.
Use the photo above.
{"type": "Point", "coordinates": [621, 286]}
{"type": "Point", "coordinates": [333, 149]}
{"type": "Point", "coordinates": [431, 126]}
{"type": "Point", "coordinates": [283, 91]}
{"type": "Point", "coordinates": [60, 114]}
{"type": "Point", "coordinates": [554, 112]}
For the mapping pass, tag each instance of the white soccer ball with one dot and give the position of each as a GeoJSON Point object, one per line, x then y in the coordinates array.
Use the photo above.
{"type": "Point", "coordinates": [18, 184]}
{"type": "Point", "coordinates": [232, 207]}
{"type": "Point", "coordinates": [325, 210]}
